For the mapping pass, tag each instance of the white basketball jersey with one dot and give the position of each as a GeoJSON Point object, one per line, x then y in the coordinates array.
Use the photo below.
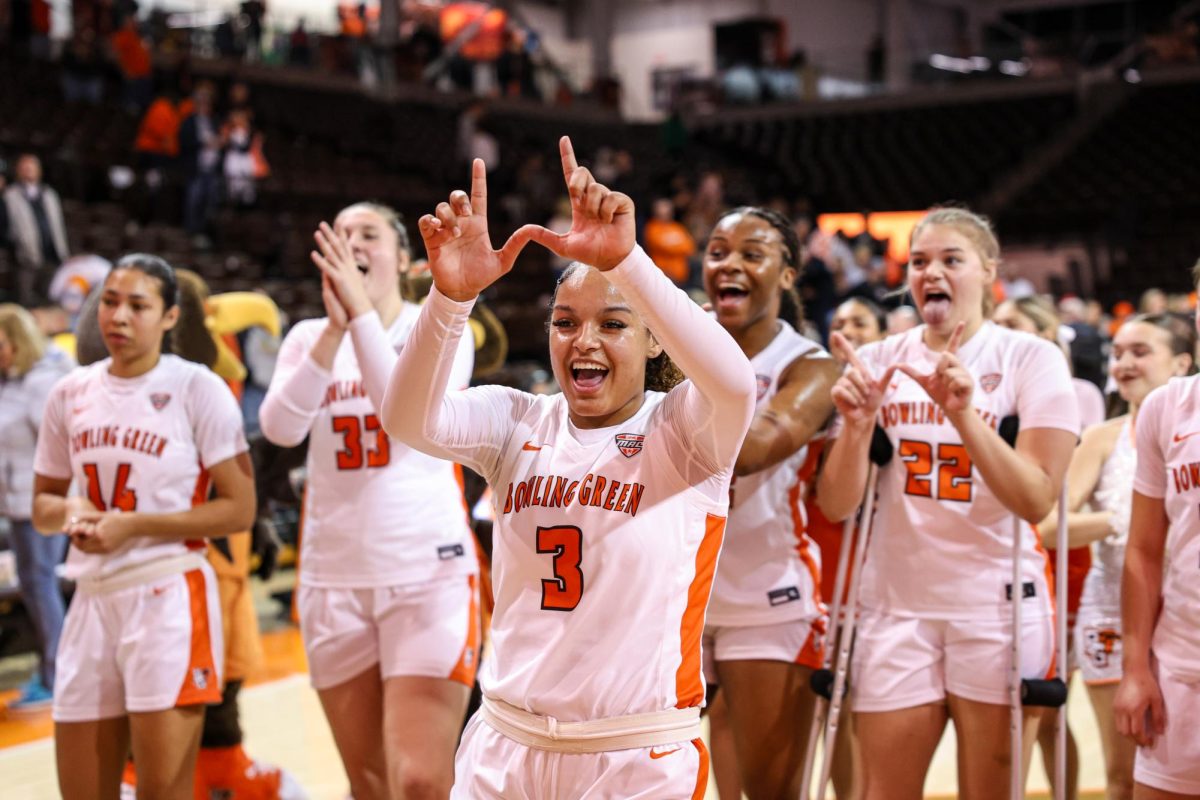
{"type": "Point", "coordinates": [603, 562]}
{"type": "Point", "coordinates": [1168, 467]}
{"type": "Point", "coordinates": [941, 545]}
{"type": "Point", "coordinates": [138, 444]}
{"type": "Point", "coordinates": [770, 570]}
{"type": "Point", "coordinates": [376, 513]}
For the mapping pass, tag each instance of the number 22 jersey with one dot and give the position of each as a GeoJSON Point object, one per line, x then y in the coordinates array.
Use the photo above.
{"type": "Point", "coordinates": [941, 545]}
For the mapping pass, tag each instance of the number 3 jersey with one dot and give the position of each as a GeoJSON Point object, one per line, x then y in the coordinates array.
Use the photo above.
{"type": "Point", "coordinates": [138, 444]}
{"type": "Point", "coordinates": [770, 569]}
{"type": "Point", "coordinates": [941, 544]}
{"type": "Point", "coordinates": [376, 513]}
{"type": "Point", "coordinates": [1168, 468]}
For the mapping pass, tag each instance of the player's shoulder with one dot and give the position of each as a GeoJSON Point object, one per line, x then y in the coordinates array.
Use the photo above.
{"type": "Point", "coordinates": [1103, 435]}
{"type": "Point", "coordinates": [306, 330]}
{"type": "Point", "coordinates": [892, 348]}
{"type": "Point", "coordinates": [1174, 399]}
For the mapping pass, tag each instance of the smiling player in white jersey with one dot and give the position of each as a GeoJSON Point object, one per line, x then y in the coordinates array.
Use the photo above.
{"type": "Point", "coordinates": [610, 504]}
{"type": "Point", "coordinates": [388, 592]}
{"type": "Point", "coordinates": [1158, 701]}
{"type": "Point", "coordinates": [766, 620]}
{"type": "Point", "coordinates": [935, 634]}
{"type": "Point", "coordinates": [141, 434]}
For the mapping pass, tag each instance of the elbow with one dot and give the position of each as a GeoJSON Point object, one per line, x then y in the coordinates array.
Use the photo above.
{"type": "Point", "coordinates": [1034, 510]}
{"type": "Point", "coordinates": [832, 507]}
{"type": "Point", "coordinates": [275, 433]}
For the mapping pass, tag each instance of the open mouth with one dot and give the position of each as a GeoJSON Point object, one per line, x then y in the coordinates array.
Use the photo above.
{"type": "Point", "coordinates": [588, 376]}
{"type": "Point", "coordinates": [362, 268]}
{"type": "Point", "coordinates": [730, 295]}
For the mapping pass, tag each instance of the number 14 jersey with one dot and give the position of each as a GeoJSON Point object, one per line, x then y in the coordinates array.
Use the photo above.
{"type": "Point", "coordinates": [941, 545]}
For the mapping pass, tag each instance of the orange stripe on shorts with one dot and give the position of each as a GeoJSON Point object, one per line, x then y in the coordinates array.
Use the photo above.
{"type": "Point", "coordinates": [468, 660]}
{"type": "Point", "coordinates": [200, 685]}
{"type": "Point", "coordinates": [702, 773]}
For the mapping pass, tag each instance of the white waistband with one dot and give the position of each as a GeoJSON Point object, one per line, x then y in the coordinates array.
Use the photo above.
{"type": "Point", "coordinates": [138, 574]}
{"type": "Point", "coordinates": [655, 728]}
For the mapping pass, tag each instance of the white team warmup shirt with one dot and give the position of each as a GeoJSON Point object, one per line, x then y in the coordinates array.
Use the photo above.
{"type": "Point", "coordinates": [1168, 468]}
{"type": "Point", "coordinates": [376, 513]}
{"type": "Point", "coordinates": [606, 539]}
{"type": "Point", "coordinates": [941, 545]}
{"type": "Point", "coordinates": [770, 569]}
{"type": "Point", "coordinates": [138, 444]}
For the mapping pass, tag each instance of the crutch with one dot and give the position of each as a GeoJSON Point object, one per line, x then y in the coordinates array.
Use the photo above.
{"type": "Point", "coordinates": [829, 682]}
{"type": "Point", "coordinates": [1048, 693]}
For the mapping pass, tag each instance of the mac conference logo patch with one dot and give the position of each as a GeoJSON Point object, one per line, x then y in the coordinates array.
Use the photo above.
{"type": "Point", "coordinates": [630, 444]}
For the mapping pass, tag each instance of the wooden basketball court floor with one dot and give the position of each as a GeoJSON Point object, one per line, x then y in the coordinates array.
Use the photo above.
{"type": "Point", "coordinates": [284, 725]}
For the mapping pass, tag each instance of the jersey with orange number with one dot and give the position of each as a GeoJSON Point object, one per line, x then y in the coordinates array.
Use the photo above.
{"type": "Point", "coordinates": [376, 513]}
{"type": "Point", "coordinates": [942, 542]}
{"type": "Point", "coordinates": [138, 444]}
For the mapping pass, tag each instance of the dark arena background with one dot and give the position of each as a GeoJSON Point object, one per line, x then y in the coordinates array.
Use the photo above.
{"type": "Point", "coordinates": [218, 134]}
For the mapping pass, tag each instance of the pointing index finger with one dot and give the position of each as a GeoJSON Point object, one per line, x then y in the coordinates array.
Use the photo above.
{"type": "Point", "coordinates": [956, 338]}
{"type": "Point", "coordinates": [479, 187]}
{"type": "Point", "coordinates": [846, 350]}
{"type": "Point", "coordinates": [567, 151]}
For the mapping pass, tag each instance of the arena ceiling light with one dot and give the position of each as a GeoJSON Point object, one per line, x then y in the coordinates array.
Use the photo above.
{"type": "Point", "coordinates": [961, 65]}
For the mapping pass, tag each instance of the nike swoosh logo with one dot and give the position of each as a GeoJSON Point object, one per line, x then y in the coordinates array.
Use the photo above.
{"type": "Point", "coordinates": [531, 447]}
{"type": "Point", "coordinates": [664, 753]}
{"type": "Point", "coordinates": [1179, 438]}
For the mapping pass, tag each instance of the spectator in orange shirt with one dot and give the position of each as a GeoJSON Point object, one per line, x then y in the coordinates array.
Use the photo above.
{"type": "Point", "coordinates": [132, 55]}
{"type": "Point", "coordinates": [668, 242]}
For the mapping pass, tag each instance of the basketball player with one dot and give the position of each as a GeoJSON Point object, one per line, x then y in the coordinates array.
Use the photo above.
{"type": "Point", "coordinates": [141, 434]}
{"type": "Point", "coordinates": [1147, 352]}
{"type": "Point", "coordinates": [610, 503]}
{"type": "Point", "coordinates": [388, 597]}
{"type": "Point", "coordinates": [934, 638]}
{"type": "Point", "coordinates": [1158, 701]}
{"type": "Point", "coordinates": [766, 619]}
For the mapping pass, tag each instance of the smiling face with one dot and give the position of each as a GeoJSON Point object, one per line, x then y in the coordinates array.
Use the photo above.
{"type": "Point", "coordinates": [948, 277]}
{"type": "Point", "coordinates": [598, 349]}
{"type": "Point", "coordinates": [131, 316]}
{"type": "Point", "coordinates": [745, 269]}
{"type": "Point", "coordinates": [855, 321]}
{"type": "Point", "coordinates": [1142, 360]}
{"type": "Point", "coordinates": [376, 249]}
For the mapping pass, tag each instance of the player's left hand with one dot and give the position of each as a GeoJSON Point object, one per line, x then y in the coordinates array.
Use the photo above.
{"type": "Point", "coordinates": [602, 223]}
{"type": "Point", "coordinates": [335, 258]}
{"type": "Point", "coordinates": [949, 385]}
{"type": "Point", "coordinates": [100, 532]}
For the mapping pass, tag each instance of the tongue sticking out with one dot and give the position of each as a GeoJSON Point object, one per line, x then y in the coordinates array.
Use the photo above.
{"type": "Point", "coordinates": [589, 378]}
{"type": "Point", "coordinates": [936, 310]}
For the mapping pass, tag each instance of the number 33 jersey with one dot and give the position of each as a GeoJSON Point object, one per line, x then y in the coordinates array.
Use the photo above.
{"type": "Point", "coordinates": [941, 545]}
{"type": "Point", "coordinates": [138, 444]}
{"type": "Point", "coordinates": [376, 513]}
{"type": "Point", "coordinates": [603, 561]}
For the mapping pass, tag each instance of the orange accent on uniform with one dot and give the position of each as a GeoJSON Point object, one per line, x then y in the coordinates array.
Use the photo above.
{"type": "Point", "coordinates": [701, 774]}
{"type": "Point", "coordinates": [199, 495]}
{"type": "Point", "coordinates": [486, 595]}
{"type": "Point", "coordinates": [468, 660]}
{"type": "Point", "coordinates": [812, 652]}
{"type": "Point", "coordinates": [200, 660]}
{"type": "Point", "coordinates": [1018, 592]}
{"type": "Point", "coordinates": [689, 682]}
{"type": "Point", "coordinates": [826, 534]}
{"type": "Point", "coordinates": [1079, 563]}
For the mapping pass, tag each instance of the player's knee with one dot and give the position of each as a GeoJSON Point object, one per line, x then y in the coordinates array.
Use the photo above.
{"type": "Point", "coordinates": [1120, 781]}
{"type": "Point", "coordinates": [414, 781]}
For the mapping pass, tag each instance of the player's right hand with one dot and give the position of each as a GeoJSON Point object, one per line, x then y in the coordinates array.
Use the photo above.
{"type": "Point", "coordinates": [1139, 709]}
{"type": "Point", "coordinates": [857, 395]}
{"type": "Point", "coordinates": [461, 258]}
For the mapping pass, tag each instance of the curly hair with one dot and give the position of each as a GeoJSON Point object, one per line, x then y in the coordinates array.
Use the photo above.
{"type": "Point", "coordinates": [662, 374]}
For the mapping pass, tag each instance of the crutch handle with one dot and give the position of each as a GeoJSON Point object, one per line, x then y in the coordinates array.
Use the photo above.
{"type": "Point", "coordinates": [1046, 693]}
{"type": "Point", "coordinates": [821, 682]}
{"type": "Point", "coordinates": [1008, 429]}
{"type": "Point", "coordinates": [881, 447]}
